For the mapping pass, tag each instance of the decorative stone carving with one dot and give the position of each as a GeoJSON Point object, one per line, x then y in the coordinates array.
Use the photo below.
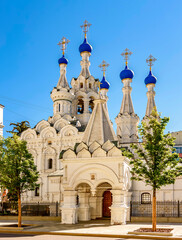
{"type": "Point", "coordinates": [81, 146]}
{"type": "Point", "coordinates": [84, 153]}
{"type": "Point", "coordinates": [107, 145]}
{"type": "Point", "coordinates": [41, 125]}
{"type": "Point", "coordinates": [99, 152]}
{"type": "Point", "coordinates": [114, 152]}
{"type": "Point", "coordinates": [94, 146]}
{"type": "Point", "coordinates": [69, 154]}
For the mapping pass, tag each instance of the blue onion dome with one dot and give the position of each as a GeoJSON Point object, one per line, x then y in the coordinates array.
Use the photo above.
{"type": "Point", "coordinates": [150, 79]}
{"type": "Point", "coordinates": [126, 73]}
{"type": "Point", "coordinates": [104, 83]}
{"type": "Point", "coordinates": [85, 47]}
{"type": "Point", "coordinates": [62, 60]}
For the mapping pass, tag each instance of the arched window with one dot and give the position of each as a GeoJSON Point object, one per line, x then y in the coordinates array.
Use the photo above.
{"type": "Point", "coordinates": [145, 198]}
{"type": "Point", "coordinates": [90, 85]}
{"type": "Point", "coordinates": [80, 106]}
{"type": "Point", "coordinates": [91, 105]}
{"type": "Point", "coordinates": [50, 163]}
{"type": "Point", "coordinates": [81, 85]}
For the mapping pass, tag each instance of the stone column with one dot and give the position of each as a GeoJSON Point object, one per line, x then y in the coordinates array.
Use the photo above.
{"type": "Point", "coordinates": [118, 207]}
{"type": "Point", "coordinates": [69, 209]}
{"type": "Point", "coordinates": [86, 105]}
{"type": "Point", "coordinates": [74, 107]}
{"type": "Point", "coordinates": [99, 207]}
{"type": "Point", "coordinates": [128, 200]}
{"type": "Point", "coordinates": [84, 208]}
{"type": "Point", "coordinates": [86, 113]}
{"type": "Point", "coordinates": [93, 207]}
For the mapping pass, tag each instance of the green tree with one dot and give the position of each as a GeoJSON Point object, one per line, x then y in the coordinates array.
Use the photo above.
{"type": "Point", "coordinates": [155, 161]}
{"type": "Point", "coordinates": [13, 199]}
{"type": "Point", "coordinates": [18, 172]}
{"type": "Point", "coordinates": [19, 127]}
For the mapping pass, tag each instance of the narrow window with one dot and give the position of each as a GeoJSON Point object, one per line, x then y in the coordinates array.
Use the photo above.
{"type": "Point", "coordinates": [77, 200]}
{"type": "Point", "coordinates": [80, 106]}
{"type": "Point", "coordinates": [50, 163]}
{"type": "Point", "coordinates": [37, 192]}
{"type": "Point", "coordinates": [59, 108]}
{"type": "Point", "coordinates": [145, 198]}
{"type": "Point", "coordinates": [91, 105]}
{"type": "Point", "coordinates": [81, 85]}
{"type": "Point", "coordinates": [90, 86]}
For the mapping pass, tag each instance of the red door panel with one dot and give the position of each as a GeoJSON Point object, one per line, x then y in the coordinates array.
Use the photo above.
{"type": "Point", "coordinates": [107, 201]}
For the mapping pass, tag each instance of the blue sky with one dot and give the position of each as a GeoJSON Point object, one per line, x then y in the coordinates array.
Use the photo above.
{"type": "Point", "coordinates": [30, 31]}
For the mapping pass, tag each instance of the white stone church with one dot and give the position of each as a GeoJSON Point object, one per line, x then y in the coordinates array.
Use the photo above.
{"type": "Point", "coordinates": [77, 152]}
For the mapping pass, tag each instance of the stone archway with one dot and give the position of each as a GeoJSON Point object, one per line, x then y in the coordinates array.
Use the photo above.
{"type": "Point", "coordinates": [93, 205]}
{"type": "Point", "coordinates": [105, 195]}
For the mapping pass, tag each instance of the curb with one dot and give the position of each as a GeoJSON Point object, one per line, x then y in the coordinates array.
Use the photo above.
{"type": "Point", "coordinates": [91, 235]}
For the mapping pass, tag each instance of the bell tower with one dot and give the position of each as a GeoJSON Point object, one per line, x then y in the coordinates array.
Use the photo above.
{"type": "Point", "coordinates": [85, 87]}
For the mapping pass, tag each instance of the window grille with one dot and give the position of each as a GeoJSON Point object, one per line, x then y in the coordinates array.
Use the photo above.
{"type": "Point", "coordinates": [145, 198]}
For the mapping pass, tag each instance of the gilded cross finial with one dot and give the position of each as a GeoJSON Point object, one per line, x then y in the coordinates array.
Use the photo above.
{"type": "Point", "coordinates": [104, 66]}
{"type": "Point", "coordinates": [150, 60]}
{"type": "Point", "coordinates": [126, 55]}
{"type": "Point", "coordinates": [85, 27]}
{"type": "Point", "coordinates": [63, 44]}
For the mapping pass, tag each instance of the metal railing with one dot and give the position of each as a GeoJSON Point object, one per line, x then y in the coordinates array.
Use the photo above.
{"type": "Point", "coordinates": [164, 209]}
{"type": "Point", "coordinates": [33, 209]}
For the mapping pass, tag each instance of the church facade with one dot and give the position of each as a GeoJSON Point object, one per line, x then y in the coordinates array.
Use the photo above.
{"type": "Point", "coordinates": [77, 152]}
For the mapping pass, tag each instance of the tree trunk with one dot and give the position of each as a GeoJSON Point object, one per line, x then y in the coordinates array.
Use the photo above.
{"type": "Point", "coordinates": [19, 209]}
{"type": "Point", "coordinates": [154, 217]}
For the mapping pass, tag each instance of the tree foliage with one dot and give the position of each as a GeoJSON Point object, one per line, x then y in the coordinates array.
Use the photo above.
{"type": "Point", "coordinates": [155, 161]}
{"type": "Point", "coordinates": [19, 127]}
{"type": "Point", "coordinates": [18, 171]}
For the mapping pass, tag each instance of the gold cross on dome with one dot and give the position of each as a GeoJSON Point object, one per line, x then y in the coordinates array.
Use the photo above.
{"type": "Point", "coordinates": [126, 55]}
{"type": "Point", "coordinates": [85, 27]}
{"type": "Point", "coordinates": [150, 60]}
{"type": "Point", "coordinates": [63, 44]}
{"type": "Point", "coordinates": [104, 66]}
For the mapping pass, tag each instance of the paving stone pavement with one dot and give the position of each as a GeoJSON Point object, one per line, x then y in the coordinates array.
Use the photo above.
{"type": "Point", "coordinates": [48, 237]}
{"type": "Point", "coordinates": [95, 226]}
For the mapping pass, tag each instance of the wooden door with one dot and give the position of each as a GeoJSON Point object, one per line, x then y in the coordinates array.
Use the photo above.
{"type": "Point", "coordinates": [107, 201]}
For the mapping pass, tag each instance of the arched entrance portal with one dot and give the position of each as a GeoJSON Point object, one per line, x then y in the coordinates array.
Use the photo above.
{"type": "Point", "coordinates": [106, 204]}
{"type": "Point", "coordinates": [103, 191]}
{"type": "Point", "coordinates": [93, 204]}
